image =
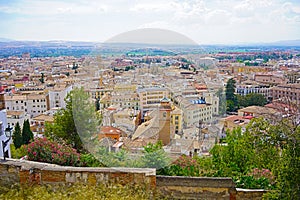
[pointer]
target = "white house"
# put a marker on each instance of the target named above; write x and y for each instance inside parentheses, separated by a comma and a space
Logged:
(57, 96)
(3, 126)
(33, 104)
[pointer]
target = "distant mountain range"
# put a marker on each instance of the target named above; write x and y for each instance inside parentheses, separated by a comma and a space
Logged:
(286, 43)
(5, 40)
(84, 43)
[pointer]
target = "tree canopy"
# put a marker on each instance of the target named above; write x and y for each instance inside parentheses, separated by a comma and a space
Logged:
(251, 99)
(231, 99)
(17, 136)
(27, 134)
(75, 124)
(264, 145)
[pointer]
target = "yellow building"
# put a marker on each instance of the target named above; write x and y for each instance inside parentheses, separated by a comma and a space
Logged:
(98, 93)
(125, 88)
(150, 98)
(176, 119)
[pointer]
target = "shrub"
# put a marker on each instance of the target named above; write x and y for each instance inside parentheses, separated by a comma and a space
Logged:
(43, 150)
(183, 166)
(256, 179)
(154, 156)
(18, 153)
(88, 160)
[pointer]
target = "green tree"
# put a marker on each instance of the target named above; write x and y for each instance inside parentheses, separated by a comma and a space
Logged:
(287, 135)
(234, 158)
(154, 156)
(97, 104)
(77, 123)
(42, 79)
(114, 159)
(231, 99)
(252, 99)
(85, 118)
(261, 134)
(222, 101)
(74, 66)
(230, 106)
(27, 134)
(230, 89)
(264, 145)
(17, 136)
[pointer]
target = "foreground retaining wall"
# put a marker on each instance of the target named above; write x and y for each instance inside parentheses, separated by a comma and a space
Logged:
(196, 187)
(249, 194)
(28, 172)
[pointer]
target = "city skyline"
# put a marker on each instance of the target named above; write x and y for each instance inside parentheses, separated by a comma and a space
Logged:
(205, 22)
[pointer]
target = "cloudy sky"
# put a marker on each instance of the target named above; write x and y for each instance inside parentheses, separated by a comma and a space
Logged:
(204, 21)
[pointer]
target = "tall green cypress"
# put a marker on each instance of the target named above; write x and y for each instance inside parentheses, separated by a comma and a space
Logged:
(27, 134)
(17, 137)
(231, 99)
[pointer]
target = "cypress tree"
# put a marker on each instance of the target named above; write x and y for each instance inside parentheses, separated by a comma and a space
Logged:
(231, 98)
(17, 137)
(27, 134)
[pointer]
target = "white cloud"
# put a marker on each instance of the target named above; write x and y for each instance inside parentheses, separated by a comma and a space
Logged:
(218, 18)
(47, 7)
(203, 20)
(154, 7)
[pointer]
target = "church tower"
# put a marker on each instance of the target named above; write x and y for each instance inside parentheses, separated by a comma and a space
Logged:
(165, 121)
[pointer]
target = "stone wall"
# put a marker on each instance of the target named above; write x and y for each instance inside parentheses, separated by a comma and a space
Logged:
(29, 172)
(174, 187)
(249, 194)
(179, 187)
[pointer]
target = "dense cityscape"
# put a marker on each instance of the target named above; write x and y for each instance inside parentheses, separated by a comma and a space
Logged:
(189, 99)
(185, 102)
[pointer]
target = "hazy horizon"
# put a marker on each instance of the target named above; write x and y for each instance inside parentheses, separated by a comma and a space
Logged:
(203, 21)
(106, 42)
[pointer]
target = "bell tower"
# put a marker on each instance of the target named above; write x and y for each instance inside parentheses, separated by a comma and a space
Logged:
(165, 121)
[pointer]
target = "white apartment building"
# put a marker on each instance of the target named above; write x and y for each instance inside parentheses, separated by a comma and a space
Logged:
(259, 89)
(212, 99)
(195, 111)
(57, 96)
(14, 117)
(150, 98)
(33, 104)
(124, 100)
(3, 126)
